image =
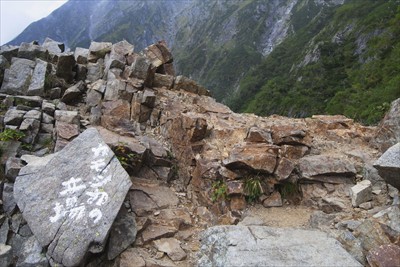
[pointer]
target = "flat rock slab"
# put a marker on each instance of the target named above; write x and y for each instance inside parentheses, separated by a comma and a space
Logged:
(71, 202)
(388, 166)
(267, 246)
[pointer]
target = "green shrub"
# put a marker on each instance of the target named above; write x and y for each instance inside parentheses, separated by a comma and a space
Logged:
(219, 191)
(253, 188)
(11, 135)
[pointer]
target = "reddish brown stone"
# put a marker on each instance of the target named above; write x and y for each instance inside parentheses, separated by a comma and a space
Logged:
(387, 255)
(284, 169)
(238, 202)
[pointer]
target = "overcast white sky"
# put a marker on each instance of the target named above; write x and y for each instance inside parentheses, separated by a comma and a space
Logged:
(16, 15)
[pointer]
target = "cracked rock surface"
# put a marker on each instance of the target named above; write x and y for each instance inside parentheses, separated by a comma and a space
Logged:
(71, 210)
(268, 246)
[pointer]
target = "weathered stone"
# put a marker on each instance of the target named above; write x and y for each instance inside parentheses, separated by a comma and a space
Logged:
(388, 133)
(53, 47)
(172, 247)
(54, 93)
(98, 50)
(141, 69)
(9, 51)
(257, 135)
(31, 254)
(116, 59)
(94, 71)
(81, 72)
(13, 165)
(30, 101)
(67, 116)
(115, 87)
(162, 80)
(6, 255)
(238, 202)
(32, 51)
(47, 128)
(361, 192)
(81, 55)
(122, 234)
(186, 84)
(33, 114)
(154, 232)
(4, 64)
(146, 196)
(67, 131)
(9, 204)
(131, 258)
(47, 118)
(291, 134)
(284, 169)
(178, 217)
(384, 256)
(73, 94)
(17, 77)
(327, 169)
(36, 87)
(274, 200)
(388, 166)
(30, 127)
(260, 245)
(95, 115)
(93, 98)
(75, 211)
(14, 117)
(5, 227)
(235, 187)
(149, 98)
(66, 63)
(168, 68)
(366, 205)
(253, 156)
(9, 149)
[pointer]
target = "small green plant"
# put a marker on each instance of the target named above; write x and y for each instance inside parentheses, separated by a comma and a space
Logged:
(290, 191)
(11, 135)
(125, 157)
(27, 147)
(253, 188)
(219, 191)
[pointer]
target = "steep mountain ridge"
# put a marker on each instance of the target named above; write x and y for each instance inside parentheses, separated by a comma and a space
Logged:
(289, 57)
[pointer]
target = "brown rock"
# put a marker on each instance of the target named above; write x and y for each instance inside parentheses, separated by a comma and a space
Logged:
(118, 108)
(66, 131)
(179, 218)
(235, 187)
(325, 168)
(186, 84)
(293, 152)
(154, 232)
(257, 135)
(172, 247)
(131, 258)
(253, 156)
(291, 134)
(238, 202)
(387, 255)
(284, 169)
(274, 200)
(163, 80)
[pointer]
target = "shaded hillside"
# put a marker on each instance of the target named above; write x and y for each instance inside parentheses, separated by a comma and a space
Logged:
(343, 61)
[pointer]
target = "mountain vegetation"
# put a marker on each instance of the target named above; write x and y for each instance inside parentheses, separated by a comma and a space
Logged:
(287, 57)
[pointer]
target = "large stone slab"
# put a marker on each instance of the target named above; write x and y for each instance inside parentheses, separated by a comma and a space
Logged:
(388, 166)
(327, 168)
(267, 246)
(17, 77)
(71, 202)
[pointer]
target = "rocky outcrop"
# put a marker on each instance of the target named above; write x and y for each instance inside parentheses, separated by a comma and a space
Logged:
(266, 246)
(192, 162)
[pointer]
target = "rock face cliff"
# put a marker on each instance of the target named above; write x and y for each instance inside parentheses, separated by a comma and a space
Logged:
(192, 164)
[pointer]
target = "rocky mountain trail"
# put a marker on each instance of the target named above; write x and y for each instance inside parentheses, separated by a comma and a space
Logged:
(110, 159)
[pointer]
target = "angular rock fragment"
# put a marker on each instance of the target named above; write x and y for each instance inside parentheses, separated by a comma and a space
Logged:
(85, 186)
(361, 192)
(388, 166)
(17, 77)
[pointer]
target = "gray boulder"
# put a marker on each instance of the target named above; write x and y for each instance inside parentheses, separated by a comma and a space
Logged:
(74, 93)
(54, 47)
(32, 51)
(9, 51)
(66, 62)
(388, 133)
(388, 166)
(71, 202)
(38, 78)
(98, 50)
(81, 55)
(17, 77)
(267, 246)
